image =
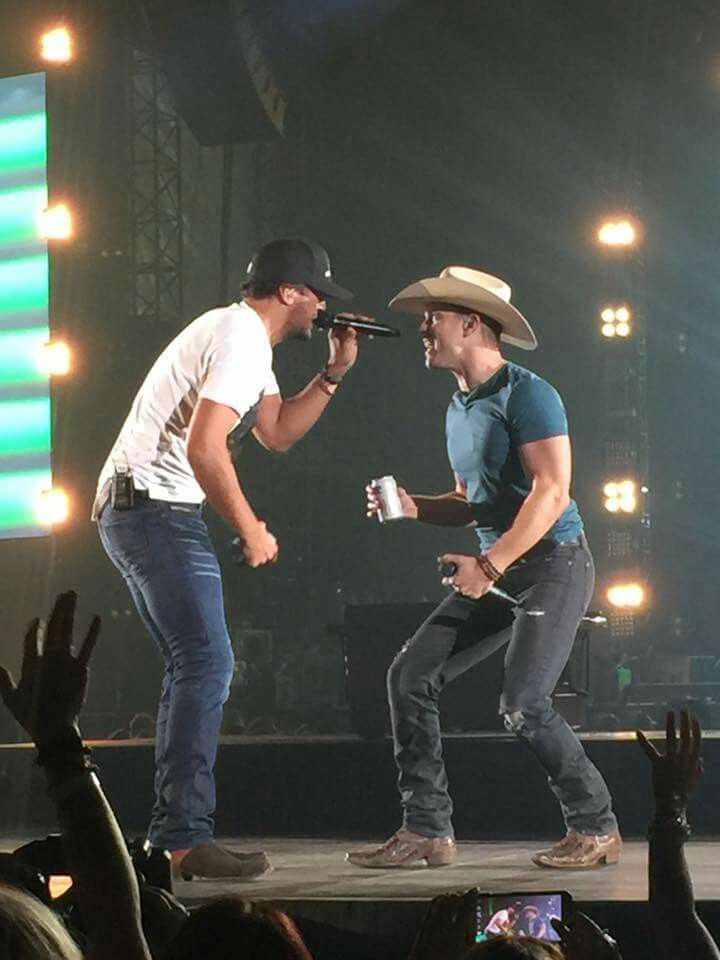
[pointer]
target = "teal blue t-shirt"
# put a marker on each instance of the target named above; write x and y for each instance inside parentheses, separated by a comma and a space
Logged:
(484, 429)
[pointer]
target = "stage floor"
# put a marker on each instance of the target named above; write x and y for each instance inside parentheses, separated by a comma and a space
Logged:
(316, 870)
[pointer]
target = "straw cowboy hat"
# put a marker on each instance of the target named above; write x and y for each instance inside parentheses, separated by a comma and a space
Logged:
(474, 290)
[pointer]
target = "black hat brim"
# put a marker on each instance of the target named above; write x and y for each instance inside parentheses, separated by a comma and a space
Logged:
(331, 289)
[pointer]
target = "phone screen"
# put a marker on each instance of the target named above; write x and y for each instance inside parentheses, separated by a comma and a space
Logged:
(520, 914)
(58, 885)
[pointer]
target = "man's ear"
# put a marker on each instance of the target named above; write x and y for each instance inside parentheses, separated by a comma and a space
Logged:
(287, 294)
(470, 321)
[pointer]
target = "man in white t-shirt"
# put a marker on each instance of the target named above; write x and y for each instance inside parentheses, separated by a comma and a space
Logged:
(170, 456)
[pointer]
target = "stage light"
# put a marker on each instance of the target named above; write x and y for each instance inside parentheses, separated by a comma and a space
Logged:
(52, 507)
(626, 596)
(620, 496)
(54, 359)
(56, 46)
(616, 321)
(617, 233)
(55, 223)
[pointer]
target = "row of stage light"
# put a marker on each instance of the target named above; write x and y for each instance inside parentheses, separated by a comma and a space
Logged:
(621, 495)
(55, 224)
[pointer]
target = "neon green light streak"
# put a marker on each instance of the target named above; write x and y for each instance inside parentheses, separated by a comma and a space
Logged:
(25, 426)
(23, 142)
(20, 351)
(19, 493)
(19, 212)
(23, 284)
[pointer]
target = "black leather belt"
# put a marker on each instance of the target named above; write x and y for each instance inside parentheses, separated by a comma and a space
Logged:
(543, 548)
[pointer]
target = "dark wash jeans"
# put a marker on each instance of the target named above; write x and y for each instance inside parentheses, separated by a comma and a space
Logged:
(556, 578)
(164, 552)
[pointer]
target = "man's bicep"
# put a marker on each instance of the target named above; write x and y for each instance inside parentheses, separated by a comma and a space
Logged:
(549, 460)
(267, 419)
(210, 424)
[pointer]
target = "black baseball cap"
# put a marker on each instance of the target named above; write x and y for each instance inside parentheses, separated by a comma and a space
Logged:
(296, 260)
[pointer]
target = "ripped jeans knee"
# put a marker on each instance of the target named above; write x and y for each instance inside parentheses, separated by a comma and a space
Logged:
(515, 722)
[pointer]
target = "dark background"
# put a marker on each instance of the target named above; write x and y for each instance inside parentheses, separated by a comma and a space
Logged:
(420, 134)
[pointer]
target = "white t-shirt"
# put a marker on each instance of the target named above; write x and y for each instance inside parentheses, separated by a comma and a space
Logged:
(224, 355)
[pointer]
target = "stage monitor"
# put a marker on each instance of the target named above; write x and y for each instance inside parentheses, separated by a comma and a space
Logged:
(25, 410)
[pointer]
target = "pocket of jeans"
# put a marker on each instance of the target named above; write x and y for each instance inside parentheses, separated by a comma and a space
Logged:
(560, 588)
(125, 536)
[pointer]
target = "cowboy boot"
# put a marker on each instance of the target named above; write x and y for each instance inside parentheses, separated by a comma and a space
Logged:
(581, 851)
(406, 850)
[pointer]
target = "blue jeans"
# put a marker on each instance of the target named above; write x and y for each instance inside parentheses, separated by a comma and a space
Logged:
(461, 632)
(164, 552)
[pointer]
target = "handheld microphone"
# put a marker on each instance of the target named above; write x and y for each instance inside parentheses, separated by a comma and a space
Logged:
(449, 569)
(325, 320)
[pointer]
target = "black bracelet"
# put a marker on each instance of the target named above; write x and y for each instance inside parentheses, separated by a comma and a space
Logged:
(488, 567)
(70, 752)
(672, 824)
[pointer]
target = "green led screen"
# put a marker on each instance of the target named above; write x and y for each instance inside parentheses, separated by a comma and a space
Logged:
(25, 414)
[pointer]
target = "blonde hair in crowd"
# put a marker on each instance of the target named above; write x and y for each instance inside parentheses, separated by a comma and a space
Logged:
(31, 931)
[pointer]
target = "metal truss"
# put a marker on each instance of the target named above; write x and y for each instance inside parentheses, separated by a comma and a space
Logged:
(156, 221)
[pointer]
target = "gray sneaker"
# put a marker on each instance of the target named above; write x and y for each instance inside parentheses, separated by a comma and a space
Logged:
(210, 861)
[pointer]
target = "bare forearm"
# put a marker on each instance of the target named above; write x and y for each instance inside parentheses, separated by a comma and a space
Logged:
(103, 876)
(300, 413)
(679, 933)
(543, 506)
(444, 510)
(215, 473)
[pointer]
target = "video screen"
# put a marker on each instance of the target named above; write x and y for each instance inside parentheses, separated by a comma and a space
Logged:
(518, 915)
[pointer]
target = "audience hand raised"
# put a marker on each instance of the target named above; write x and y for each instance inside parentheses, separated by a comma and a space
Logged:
(676, 773)
(582, 939)
(448, 929)
(49, 696)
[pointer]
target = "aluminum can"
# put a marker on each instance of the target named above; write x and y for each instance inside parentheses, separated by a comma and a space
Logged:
(390, 504)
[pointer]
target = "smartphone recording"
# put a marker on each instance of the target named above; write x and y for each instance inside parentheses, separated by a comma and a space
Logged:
(521, 914)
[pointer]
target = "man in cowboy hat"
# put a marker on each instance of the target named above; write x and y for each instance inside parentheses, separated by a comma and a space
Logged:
(507, 441)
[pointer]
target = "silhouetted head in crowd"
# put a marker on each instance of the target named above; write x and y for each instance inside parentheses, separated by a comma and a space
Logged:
(514, 948)
(233, 929)
(31, 931)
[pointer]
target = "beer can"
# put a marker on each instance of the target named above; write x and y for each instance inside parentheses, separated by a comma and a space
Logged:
(390, 504)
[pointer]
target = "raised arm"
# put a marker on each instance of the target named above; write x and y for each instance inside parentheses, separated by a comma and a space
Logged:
(283, 421)
(679, 933)
(47, 702)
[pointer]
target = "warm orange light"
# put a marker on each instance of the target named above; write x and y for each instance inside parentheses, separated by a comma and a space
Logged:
(56, 222)
(616, 321)
(620, 496)
(617, 233)
(55, 359)
(52, 507)
(626, 596)
(56, 46)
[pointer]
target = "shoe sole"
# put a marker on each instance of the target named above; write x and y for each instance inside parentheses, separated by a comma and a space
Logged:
(603, 861)
(195, 878)
(414, 865)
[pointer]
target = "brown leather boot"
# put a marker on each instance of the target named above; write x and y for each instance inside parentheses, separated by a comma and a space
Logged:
(406, 850)
(581, 851)
(210, 861)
